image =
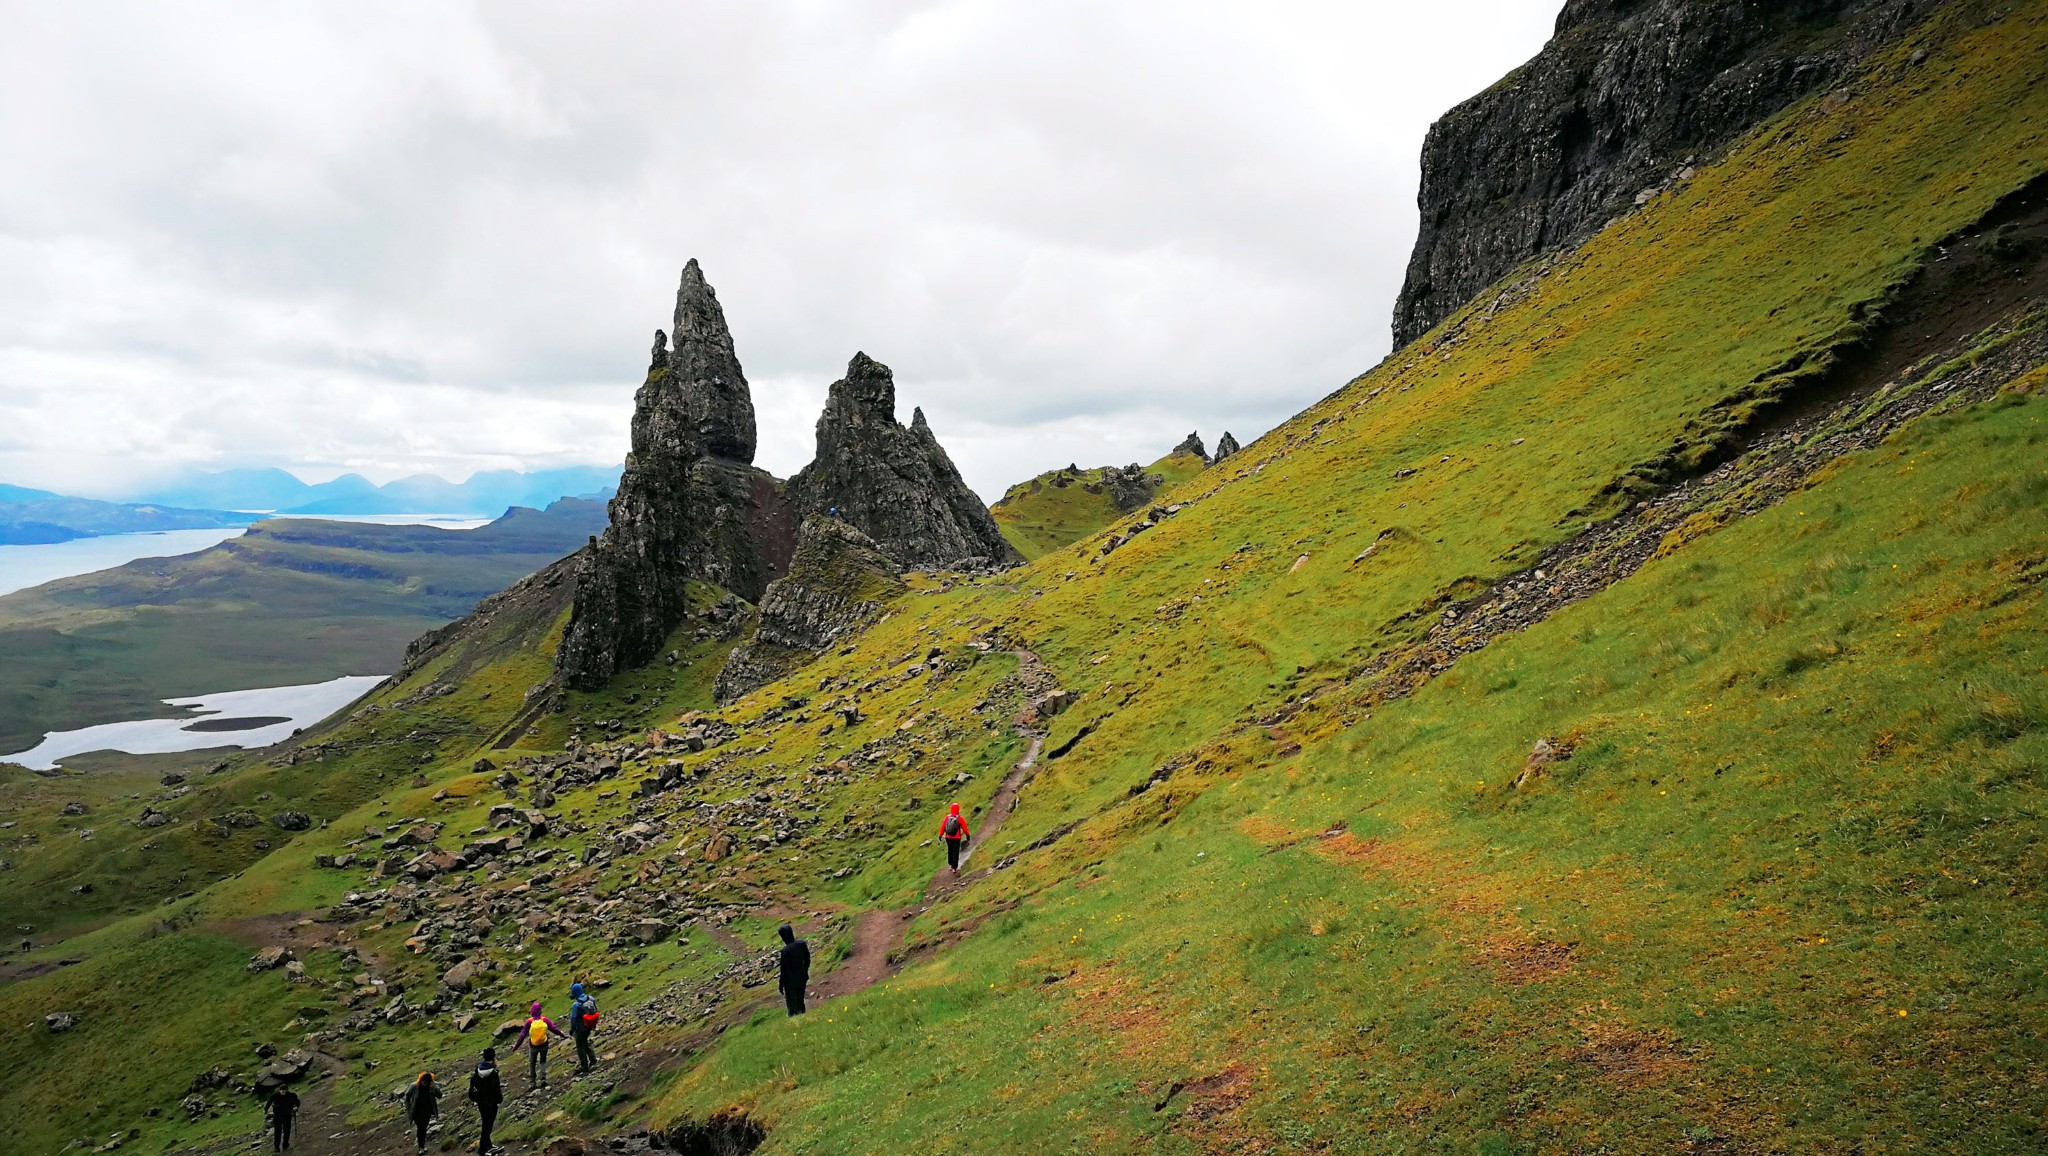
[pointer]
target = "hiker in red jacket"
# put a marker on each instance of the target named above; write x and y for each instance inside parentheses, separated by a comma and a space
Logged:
(954, 831)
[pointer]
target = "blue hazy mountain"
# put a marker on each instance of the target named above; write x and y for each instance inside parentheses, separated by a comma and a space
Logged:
(488, 493)
(38, 517)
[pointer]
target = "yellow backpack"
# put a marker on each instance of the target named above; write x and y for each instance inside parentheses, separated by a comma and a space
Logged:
(536, 1032)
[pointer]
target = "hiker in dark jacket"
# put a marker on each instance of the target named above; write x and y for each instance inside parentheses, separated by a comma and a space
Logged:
(486, 1091)
(954, 831)
(796, 969)
(582, 1020)
(283, 1109)
(422, 1104)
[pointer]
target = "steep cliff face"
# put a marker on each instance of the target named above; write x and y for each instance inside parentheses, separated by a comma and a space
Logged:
(894, 484)
(1627, 93)
(839, 582)
(689, 505)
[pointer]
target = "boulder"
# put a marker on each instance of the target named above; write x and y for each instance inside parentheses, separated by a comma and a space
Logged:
(417, 835)
(59, 1022)
(292, 821)
(460, 977)
(270, 958)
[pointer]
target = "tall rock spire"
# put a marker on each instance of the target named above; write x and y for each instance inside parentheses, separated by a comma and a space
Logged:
(895, 485)
(689, 505)
(715, 390)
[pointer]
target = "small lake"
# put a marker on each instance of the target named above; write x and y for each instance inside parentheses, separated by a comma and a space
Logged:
(235, 718)
(24, 566)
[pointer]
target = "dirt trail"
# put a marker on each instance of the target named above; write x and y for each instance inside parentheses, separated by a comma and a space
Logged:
(323, 1129)
(876, 934)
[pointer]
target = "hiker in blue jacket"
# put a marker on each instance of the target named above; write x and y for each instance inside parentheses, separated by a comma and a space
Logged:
(582, 1019)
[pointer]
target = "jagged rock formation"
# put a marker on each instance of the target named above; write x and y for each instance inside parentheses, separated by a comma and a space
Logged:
(894, 484)
(692, 506)
(1225, 446)
(838, 583)
(1128, 488)
(1192, 444)
(689, 506)
(1625, 94)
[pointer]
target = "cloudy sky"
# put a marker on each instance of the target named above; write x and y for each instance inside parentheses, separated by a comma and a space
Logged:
(402, 237)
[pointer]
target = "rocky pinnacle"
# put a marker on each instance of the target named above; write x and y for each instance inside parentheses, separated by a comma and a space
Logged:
(895, 485)
(715, 390)
(688, 503)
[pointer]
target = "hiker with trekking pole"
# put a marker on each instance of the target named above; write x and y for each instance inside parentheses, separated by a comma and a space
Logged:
(283, 1110)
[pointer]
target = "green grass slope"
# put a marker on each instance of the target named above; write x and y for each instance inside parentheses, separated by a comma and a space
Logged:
(292, 601)
(1060, 507)
(1272, 884)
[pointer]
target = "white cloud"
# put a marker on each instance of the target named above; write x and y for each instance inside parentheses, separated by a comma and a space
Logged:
(395, 237)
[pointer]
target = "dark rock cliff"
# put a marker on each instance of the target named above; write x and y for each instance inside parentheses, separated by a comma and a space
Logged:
(1626, 93)
(839, 582)
(895, 485)
(690, 504)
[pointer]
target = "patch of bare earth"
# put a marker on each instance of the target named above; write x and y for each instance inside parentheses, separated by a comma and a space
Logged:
(1630, 1057)
(1516, 960)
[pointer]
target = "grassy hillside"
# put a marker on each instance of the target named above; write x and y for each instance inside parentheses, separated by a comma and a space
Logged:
(1060, 507)
(1735, 514)
(291, 601)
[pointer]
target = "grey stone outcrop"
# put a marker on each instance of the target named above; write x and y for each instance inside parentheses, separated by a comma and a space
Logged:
(894, 484)
(1624, 95)
(839, 582)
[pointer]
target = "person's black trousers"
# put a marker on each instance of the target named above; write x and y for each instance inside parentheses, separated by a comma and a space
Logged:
(536, 1063)
(419, 1131)
(489, 1112)
(953, 854)
(586, 1056)
(795, 1000)
(281, 1133)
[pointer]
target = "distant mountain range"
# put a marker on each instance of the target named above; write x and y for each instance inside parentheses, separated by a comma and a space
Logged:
(486, 494)
(38, 517)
